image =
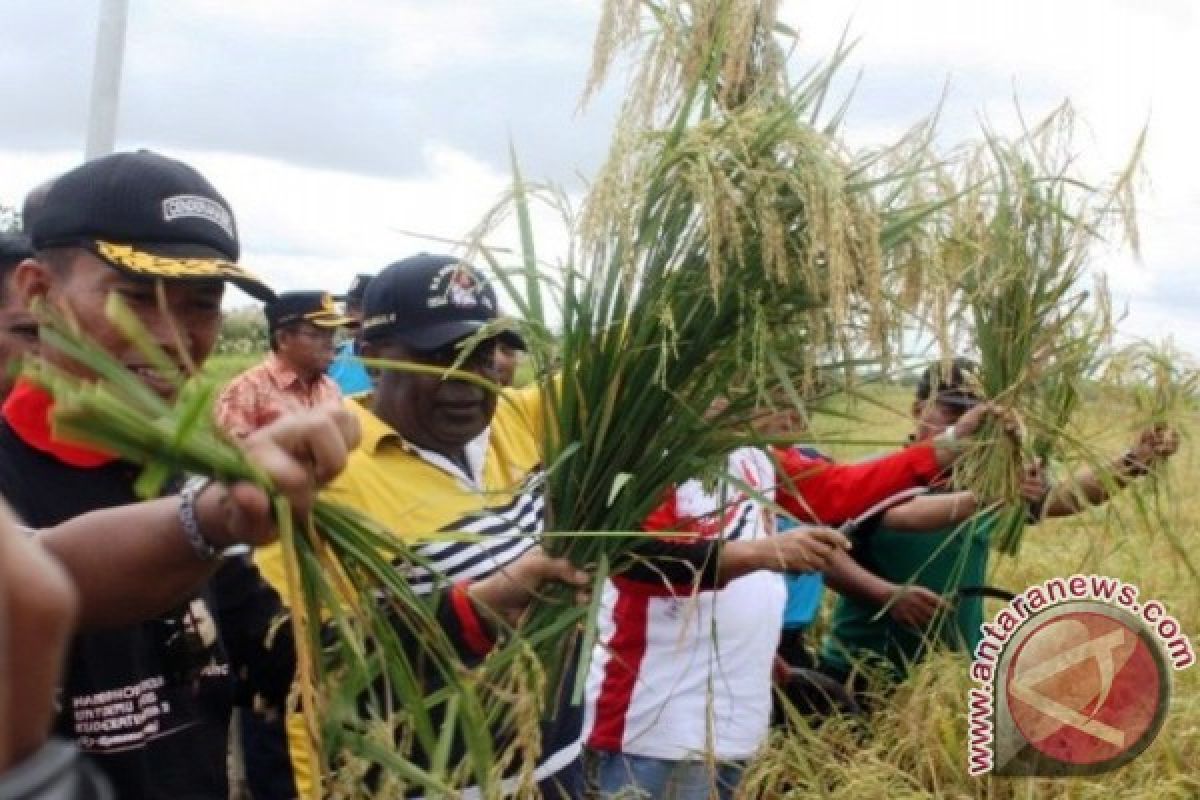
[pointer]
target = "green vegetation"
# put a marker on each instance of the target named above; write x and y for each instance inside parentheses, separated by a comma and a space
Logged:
(915, 746)
(223, 367)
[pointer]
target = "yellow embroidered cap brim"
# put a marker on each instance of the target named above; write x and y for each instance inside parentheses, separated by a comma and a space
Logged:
(323, 320)
(328, 316)
(143, 263)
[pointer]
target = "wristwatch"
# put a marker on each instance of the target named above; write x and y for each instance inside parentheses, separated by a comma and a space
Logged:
(190, 522)
(1132, 466)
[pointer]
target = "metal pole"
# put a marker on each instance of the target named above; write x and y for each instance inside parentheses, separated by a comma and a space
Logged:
(106, 78)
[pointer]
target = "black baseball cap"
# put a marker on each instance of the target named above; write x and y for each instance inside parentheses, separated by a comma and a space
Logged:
(315, 307)
(14, 248)
(957, 383)
(358, 288)
(146, 215)
(428, 302)
(32, 205)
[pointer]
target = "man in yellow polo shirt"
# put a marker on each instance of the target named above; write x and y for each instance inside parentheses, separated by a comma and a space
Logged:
(449, 455)
(442, 455)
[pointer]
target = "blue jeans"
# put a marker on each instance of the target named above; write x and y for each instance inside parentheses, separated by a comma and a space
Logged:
(620, 776)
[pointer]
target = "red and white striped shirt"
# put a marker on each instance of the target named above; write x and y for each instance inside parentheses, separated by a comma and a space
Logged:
(676, 675)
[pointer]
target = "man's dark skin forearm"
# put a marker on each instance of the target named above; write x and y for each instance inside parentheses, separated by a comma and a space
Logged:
(847, 577)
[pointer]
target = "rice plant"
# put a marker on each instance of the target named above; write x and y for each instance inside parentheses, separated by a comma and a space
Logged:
(1014, 274)
(914, 743)
(724, 248)
(728, 251)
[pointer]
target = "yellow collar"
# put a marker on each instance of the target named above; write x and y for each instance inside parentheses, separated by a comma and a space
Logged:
(374, 430)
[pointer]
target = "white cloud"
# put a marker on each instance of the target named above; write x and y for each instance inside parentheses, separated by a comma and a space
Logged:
(330, 124)
(310, 228)
(1121, 63)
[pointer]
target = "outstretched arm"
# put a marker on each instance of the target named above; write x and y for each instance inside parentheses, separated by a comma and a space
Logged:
(1090, 487)
(909, 605)
(831, 494)
(134, 562)
(931, 512)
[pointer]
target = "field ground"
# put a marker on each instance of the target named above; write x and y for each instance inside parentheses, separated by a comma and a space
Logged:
(917, 744)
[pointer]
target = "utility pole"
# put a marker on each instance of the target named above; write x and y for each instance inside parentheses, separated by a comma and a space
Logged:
(106, 78)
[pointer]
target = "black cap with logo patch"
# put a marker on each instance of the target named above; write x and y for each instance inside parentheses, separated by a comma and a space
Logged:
(146, 215)
(428, 302)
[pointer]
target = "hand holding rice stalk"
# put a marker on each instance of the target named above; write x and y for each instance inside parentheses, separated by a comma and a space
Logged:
(1016, 259)
(366, 644)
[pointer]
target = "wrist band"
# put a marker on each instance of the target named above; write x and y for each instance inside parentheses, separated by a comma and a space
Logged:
(191, 523)
(948, 440)
(1132, 467)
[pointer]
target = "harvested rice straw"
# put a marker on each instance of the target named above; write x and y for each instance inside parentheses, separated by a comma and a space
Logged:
(1016, 259)
(723, 245)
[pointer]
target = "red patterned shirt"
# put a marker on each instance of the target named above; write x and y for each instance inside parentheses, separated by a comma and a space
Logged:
(264, 393)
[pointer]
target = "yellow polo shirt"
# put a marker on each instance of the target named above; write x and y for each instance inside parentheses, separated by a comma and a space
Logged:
(416, 493)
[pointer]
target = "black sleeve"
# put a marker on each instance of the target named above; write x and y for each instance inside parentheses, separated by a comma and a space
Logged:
(470, 633)
(255, 631)
(861, 539)
(669, 561)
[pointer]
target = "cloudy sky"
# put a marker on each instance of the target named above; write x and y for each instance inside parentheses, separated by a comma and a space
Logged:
(333, 125)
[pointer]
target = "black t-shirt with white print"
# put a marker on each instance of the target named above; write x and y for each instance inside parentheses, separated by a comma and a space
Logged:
(150, 703)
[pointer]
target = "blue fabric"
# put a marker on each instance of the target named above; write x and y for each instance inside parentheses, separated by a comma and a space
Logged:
(621, 775)
(348, 372)
(804, 591)
(566, 784)
(803, 599)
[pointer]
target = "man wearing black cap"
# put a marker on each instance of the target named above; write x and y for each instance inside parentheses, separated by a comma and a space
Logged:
(301, 327)
(442, 454)
(346, 370)
(148, 702)
(917, 577)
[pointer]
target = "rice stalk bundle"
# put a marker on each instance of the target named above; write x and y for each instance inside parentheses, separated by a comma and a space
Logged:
(722, 241)
(909, 182)
(367, 645)
(1015, 266)
(1163, 382)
